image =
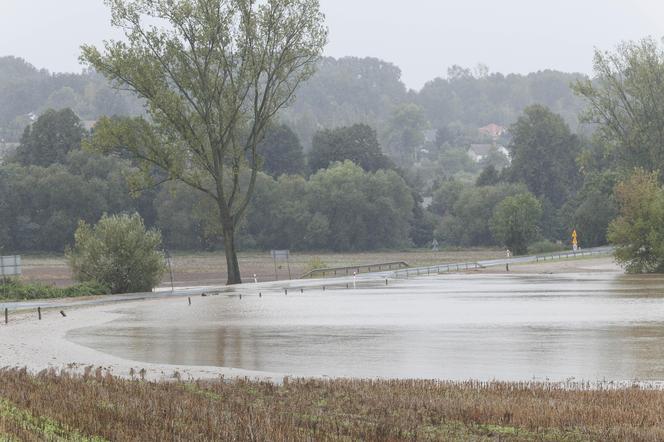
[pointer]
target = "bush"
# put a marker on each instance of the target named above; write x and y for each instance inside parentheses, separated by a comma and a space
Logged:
(638, 233)
(119, 253)
(315, 264)
(545, 246)
(515, 221)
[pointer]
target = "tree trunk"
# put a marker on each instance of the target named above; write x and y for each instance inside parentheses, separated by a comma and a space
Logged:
(231, 257)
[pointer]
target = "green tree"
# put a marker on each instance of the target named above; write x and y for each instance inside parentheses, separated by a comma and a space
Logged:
(544, 153)
(488, 177)
(405, 133)
(279, 216)
(446, 196)
(186, 218)
(49, 139)
(281, 151)
(47, 202)
(467, 221)
(514, 222)
(357, 143)
(363, 210)
(638, 232)
(594, 208)
(626, 100)
(213, 75)
(118, 252)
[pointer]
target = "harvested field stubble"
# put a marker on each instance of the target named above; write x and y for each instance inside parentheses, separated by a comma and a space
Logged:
(97, 406)
(210, 267)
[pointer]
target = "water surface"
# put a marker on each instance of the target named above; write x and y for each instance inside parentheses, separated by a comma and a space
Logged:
(511, 327)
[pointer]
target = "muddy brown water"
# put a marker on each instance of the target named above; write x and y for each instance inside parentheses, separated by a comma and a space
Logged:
(600, 326)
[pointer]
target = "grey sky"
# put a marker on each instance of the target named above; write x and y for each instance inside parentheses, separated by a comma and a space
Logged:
(423, 37)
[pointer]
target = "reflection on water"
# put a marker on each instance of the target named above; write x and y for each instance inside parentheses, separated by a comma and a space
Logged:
(595, 326)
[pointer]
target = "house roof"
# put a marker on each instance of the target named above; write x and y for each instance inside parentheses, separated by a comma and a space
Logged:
(88, 124)
(493, 130)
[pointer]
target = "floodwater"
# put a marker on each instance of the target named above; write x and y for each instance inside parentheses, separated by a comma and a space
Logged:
(600, 326)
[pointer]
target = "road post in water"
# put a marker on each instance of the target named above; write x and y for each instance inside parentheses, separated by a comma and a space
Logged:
(170, 269)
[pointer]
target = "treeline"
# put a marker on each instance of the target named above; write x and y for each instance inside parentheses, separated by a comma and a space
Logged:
(26, 92)
(358, 163)
(343, 92)
(344, 195)
(51, 183)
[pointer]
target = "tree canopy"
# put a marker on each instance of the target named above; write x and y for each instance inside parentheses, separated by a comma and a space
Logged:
(544, 153)
(515, 221)
(281, 151)
(625, 100)
(638, 232)
(49, 139)
(357, 143)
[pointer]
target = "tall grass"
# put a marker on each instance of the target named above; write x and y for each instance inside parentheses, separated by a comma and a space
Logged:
(15, 290)
(98, 406)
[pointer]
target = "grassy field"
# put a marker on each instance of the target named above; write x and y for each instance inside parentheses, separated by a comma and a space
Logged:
(98, 407)
(210, 268)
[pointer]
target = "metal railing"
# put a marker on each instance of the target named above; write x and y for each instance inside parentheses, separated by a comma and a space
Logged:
(572, 254)
(437, 269)
(457, 267)
(349, 270)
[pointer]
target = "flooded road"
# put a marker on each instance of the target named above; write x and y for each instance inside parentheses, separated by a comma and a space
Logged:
(509, 327)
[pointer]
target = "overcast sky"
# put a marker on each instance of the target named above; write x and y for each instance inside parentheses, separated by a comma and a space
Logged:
(422, 37)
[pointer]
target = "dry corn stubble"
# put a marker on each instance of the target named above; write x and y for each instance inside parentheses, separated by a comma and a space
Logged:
(100, 406)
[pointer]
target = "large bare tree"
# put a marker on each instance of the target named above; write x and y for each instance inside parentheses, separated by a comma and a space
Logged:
(213, 74)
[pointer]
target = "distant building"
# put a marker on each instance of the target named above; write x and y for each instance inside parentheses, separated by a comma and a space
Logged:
(493, 130)
(88, 124)
(478, 152)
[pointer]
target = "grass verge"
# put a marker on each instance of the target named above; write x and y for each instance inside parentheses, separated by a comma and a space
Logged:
(15, 290)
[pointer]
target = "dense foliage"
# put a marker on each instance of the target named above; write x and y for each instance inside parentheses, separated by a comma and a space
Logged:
(357, 143)
(515, 221)
(118, 252)
(625, 101)
(638, 232)
(544, 152)
(357, 162)
(16, 290)
(281, 151)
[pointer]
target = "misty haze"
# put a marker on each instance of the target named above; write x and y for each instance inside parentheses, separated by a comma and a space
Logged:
(286, 220)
